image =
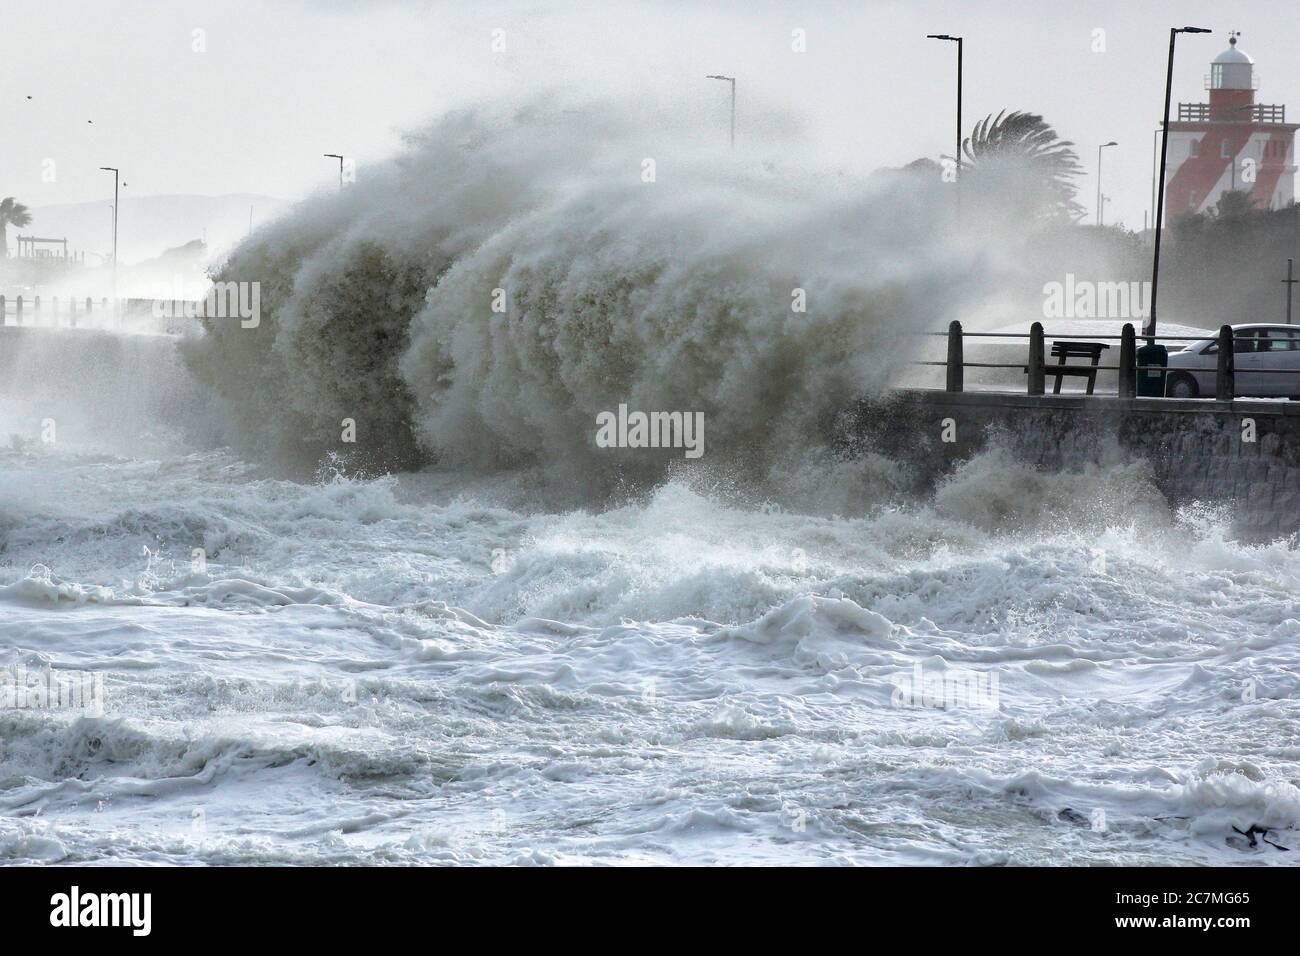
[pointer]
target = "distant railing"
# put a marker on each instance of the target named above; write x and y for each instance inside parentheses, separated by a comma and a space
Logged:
(52, 311)
(1255, 113)
(87, 313)
(1225, 383)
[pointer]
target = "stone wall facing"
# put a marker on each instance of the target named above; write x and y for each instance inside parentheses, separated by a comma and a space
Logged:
(1199, 450)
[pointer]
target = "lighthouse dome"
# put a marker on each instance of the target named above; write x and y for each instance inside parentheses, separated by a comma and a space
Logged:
(1233, 55)
(1232, 69)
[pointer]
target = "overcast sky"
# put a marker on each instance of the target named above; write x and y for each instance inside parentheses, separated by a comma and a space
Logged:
(283, 81)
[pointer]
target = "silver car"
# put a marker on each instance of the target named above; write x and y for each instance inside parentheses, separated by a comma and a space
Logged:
(1264, 347)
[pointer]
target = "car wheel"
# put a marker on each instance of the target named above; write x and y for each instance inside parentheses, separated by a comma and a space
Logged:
(1183, 386)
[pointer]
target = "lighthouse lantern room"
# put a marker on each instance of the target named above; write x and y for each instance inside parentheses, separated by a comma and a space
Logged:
(1229, 143)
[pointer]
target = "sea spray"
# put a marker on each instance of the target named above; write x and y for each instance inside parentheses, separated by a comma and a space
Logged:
(479, 299)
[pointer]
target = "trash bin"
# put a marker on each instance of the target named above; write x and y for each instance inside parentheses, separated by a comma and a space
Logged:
(1151, 381)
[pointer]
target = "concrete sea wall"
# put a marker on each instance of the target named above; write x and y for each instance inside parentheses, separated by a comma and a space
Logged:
(1245, 453)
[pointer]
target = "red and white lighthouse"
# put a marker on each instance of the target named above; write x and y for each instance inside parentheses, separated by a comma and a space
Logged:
(1229, 143)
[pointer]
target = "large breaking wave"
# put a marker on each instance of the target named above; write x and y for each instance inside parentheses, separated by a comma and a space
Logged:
(671, 294)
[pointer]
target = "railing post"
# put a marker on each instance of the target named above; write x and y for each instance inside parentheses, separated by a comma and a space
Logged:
(1036, 378)
(18, 312)
(955, 367)
(4, 312)
(36, 316)
(1127, 362)
(1225, 378)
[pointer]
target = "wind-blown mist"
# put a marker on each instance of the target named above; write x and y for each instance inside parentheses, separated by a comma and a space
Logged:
(672, 294)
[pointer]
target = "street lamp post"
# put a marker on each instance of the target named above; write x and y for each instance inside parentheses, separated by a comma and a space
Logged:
(117, 178)
(958, 41)
(1155, 159)
(732, 81)
(340, 159)
(1164, 157)
(1099, 149)
(1289, 282)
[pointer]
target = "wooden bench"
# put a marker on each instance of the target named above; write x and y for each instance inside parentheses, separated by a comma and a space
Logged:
(1064, 350)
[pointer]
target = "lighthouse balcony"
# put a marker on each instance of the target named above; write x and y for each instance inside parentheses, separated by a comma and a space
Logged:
(1254, 113)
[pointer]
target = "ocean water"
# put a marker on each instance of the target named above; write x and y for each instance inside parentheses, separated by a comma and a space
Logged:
(473, 636)
(409, 669)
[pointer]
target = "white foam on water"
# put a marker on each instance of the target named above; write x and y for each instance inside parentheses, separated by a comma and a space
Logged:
(472, 637)
(396, 670)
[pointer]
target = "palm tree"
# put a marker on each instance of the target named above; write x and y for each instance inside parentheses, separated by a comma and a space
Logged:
(1023, 152)
(12, 213)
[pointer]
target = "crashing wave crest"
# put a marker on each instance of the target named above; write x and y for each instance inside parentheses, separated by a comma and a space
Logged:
(678, 293)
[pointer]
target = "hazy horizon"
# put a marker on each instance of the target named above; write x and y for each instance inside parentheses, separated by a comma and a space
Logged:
(278, 85)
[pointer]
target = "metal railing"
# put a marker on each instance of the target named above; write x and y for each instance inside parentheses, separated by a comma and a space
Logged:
(1037, 369)
(50, 312)
(1254, 113)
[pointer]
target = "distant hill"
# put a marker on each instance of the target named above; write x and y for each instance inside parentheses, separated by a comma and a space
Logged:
(150, 225)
